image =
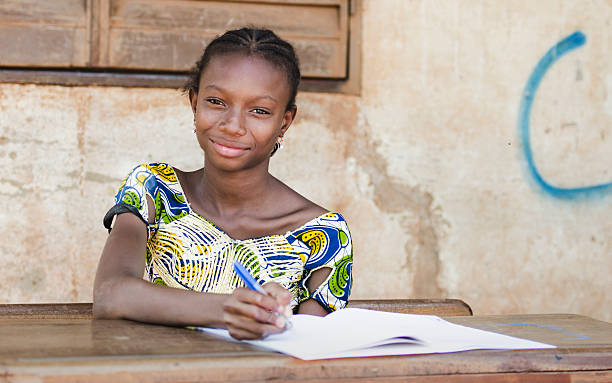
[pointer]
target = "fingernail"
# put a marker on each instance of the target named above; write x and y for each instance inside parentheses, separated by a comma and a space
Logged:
(279, 322)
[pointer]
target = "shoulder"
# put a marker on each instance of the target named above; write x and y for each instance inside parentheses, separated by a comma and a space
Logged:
(326, 238)
(309, 211)
(303, 213)
(294, 207)
(330, 222)
(147, 173)
(151, 169)
(187, 178)
(161, 171)
(148, 179)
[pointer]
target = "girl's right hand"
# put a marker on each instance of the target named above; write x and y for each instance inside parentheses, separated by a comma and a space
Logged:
(249, 315)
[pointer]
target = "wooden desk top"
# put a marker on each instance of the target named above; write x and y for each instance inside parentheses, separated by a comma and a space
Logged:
(439, 307)
(86, 350)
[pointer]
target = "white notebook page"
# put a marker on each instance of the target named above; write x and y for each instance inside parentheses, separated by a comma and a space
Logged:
(358, 333)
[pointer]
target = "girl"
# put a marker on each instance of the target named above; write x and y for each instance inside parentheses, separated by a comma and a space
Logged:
(186, 229)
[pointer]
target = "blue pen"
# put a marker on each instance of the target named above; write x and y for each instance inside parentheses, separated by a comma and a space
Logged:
(252, 284)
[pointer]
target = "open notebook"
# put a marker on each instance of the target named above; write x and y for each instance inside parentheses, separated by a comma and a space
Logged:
(358, 332)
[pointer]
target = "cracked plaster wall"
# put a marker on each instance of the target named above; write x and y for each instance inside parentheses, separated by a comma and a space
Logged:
(425, 164)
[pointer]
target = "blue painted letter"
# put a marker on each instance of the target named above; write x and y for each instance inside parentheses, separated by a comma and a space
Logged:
(573, 41)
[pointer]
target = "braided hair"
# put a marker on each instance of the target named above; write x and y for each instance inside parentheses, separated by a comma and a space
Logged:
(262, 43)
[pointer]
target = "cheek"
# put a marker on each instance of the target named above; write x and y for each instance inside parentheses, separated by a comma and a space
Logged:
(205, 121)
(202, 138)
(203, 124)
(265, 131)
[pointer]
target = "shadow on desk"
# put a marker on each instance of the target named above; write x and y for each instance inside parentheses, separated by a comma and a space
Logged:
(439, 307)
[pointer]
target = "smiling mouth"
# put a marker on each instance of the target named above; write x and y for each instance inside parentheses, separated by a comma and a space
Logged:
(228, 149)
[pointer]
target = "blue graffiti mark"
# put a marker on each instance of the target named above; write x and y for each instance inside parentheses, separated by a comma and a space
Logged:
(549, 326)
(571, 42)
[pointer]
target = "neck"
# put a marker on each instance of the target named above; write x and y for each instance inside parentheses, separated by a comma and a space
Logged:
(228, 192)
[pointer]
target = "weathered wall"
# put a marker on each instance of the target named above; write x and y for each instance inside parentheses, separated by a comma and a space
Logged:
(429, 165)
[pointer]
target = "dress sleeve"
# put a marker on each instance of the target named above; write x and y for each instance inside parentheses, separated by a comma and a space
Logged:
(329, 241)
(132, 193)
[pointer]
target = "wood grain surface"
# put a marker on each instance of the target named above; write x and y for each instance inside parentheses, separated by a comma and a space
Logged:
(81, 349)
(440, 307)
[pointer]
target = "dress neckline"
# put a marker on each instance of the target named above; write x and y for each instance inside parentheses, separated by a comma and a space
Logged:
(218, 228)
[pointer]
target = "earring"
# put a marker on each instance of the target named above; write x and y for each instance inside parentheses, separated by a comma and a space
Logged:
(277, 145)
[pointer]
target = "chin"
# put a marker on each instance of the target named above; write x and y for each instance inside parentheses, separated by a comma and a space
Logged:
(232, 164)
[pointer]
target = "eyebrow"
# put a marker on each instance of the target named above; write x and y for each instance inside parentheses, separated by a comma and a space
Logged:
(212, 86)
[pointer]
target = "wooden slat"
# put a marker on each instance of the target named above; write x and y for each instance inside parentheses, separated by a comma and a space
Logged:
(440, 307)
(47, 311)
(104, 37)
(59, 12)
(86, 78)
(207, 16)
(171, 34)
(44, 33)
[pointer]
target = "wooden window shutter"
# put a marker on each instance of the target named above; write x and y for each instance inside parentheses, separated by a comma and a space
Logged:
(154, 42)
(169, 35)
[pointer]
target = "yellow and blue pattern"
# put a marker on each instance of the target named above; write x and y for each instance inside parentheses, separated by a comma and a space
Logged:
(185, 250)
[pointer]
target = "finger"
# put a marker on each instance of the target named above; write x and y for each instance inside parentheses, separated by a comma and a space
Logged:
(241, 327)
(248, 296)
(242, 334)
(282, 296)
(253, 312)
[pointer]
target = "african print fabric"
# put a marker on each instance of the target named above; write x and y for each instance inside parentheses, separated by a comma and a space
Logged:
(185, 250)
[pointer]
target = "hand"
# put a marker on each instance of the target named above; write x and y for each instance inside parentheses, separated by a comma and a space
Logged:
(282, 296)
(248, 314)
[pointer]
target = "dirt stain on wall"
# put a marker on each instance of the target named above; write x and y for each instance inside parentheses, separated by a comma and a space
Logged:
(342, 117)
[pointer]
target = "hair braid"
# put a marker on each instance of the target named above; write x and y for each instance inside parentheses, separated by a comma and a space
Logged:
(262, 43)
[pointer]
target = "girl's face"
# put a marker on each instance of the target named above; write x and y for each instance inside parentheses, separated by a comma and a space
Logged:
(240, 111)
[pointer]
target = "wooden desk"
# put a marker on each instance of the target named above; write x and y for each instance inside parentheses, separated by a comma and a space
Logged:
(86, 350)
(440, 307)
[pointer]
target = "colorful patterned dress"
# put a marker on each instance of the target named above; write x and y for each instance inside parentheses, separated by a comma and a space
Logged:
(185, 250)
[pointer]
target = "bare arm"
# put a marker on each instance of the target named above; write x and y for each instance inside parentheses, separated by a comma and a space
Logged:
(120, 292)
(311, 306)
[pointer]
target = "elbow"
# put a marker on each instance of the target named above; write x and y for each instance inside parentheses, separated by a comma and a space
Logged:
(105, 301)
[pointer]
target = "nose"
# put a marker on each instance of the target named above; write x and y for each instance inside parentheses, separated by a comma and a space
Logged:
(233, 123)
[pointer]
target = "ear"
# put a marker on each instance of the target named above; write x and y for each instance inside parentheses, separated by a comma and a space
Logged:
(288, 119)
(193, 100)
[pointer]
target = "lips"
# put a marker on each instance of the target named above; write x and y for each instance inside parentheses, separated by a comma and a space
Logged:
(228, 148)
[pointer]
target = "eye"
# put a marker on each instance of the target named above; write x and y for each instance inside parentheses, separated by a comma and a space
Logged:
(214, 101)
(260, 111)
